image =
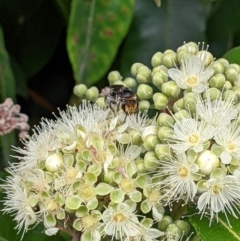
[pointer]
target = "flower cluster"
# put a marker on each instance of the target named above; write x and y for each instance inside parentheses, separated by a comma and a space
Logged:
(102, 174)
(11, 118)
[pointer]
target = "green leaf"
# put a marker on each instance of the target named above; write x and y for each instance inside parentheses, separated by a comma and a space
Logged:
(233, 55)
(7, 84)
(95, 31)
(217, 231)
(157, 29)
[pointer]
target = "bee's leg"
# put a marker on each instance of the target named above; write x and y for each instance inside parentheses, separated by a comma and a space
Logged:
(111, 107)
(125, 117)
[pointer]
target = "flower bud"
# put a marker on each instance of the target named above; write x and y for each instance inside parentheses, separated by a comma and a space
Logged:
(165, 119)
(205, 56)
(183, 226)
(181, 114)
(114, 76)
(143, 75)
(162, 70)
(212, 93)
(130, 82)
(156, 59)
(150, 130)
(164, 223)
(80, 90)
(162, 151)
(150, 142)
(140, 165)
(160, 101)
(217, 81)
(227, 85)
(182, 55)
(54, 162)
(190, 47)
(236, 89)
(143, 105)
(190, 102)
(158, 80)
(178, 105)
(136, 138)
(169, 59)
(150, 161)
(171, 89)
(174, 232)
(207, 162)
(92, 93)
(144, 92)
(164, 132)
(230, 94)
(118, 82)
(135, 67)
(224, 62)
(231, 73)
(218, 67)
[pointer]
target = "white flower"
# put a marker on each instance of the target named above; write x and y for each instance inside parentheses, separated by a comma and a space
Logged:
(17, 203)
(193, 75)
(229, 139)
(190, 134)
(121, 222)
(221, 193)
(218, 112)
(179, 182)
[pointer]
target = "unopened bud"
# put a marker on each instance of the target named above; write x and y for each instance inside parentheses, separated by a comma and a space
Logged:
(54, 162)
(217, 81)
(80, 90)
(230, 94)
(144, 92)
(174, 232)
(169, 59)
(130, 82)
(165, 119)
(190, 47)
(150, 142)
(143, 75)
(212, 94)
(183, 226)
(160, 101)
(171, 89)
(114, 76)
(135, 67)
(231, 73)
(164, 132)
(150, 161)
(162, 151)
(164, 223)
(156, 59)
(218, 67)
(205, 56)
(178, 105)
(92, 93)
(143, 105)
(180, 115)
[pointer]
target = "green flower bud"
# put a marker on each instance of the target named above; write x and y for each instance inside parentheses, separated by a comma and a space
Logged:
(54, 162)
(143, 105)
(227, 85)
(80, 90)
(92, 93)
(181, 114)
(182, 55)
(189, 47)
(156, 59)
(236, 66)
(169, 59)
(165, 119)
(158, 80)
(207, 162)
(183, 226)
(190, 102)
(174, 232)
(136, 138)
(135, 67)
(217, 81)
(150, 130)
(213, 93)
(229, 94)
(218, 67)
(114, 76)
(162, 70)
(178, 105)
(118, 82)
(164, 132)
(150, 161)
(140, 165)
(162, 151)
(206, 57)
(160, 101)
(164, 223)
(144, 92)
(231, 73)
(143, 75)
(130, 82)
(171, 89)
(224, 62)
(150, 142)
(236, 90)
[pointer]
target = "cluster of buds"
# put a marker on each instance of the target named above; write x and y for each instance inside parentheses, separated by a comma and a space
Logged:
(11, 118)
(96, 174)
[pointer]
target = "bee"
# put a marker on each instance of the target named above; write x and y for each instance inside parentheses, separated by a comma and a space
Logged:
(122, 97)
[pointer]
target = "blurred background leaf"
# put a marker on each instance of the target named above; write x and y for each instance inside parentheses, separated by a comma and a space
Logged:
(95, 31)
